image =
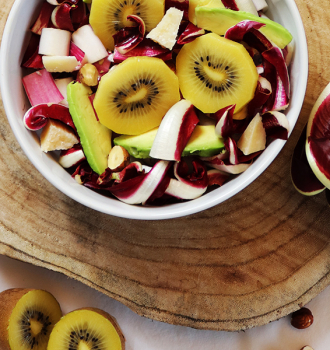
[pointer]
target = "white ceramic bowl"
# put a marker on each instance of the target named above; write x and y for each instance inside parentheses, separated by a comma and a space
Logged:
(13, 45)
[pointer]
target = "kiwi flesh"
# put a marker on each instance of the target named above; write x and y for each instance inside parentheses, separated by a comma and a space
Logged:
(215, 72)
(27, 318)
(134, 97)
(107, 17)
(87, 329)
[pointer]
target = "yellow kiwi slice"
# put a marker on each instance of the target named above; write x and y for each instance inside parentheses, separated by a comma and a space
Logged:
(215, 72)
(86, 329)
(133, 97)
(27, 319)
(107, 17)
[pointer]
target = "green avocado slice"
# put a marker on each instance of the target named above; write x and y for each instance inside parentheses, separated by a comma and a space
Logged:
(95, 138)
(203, 142)
(218, 20)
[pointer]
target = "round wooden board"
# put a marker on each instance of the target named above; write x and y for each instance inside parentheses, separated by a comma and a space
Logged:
(255, 258)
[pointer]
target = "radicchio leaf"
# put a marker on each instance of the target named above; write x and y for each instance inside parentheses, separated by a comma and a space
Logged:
(230, 4)
(217, 177)
(225, 125)
(61, 17)
(141, 188)
(43, 18)
(128, 38)
(232, 149)
(37, 116)
(238, 31)
(188, 185)
(190, 34)
(262, 93)
(275, 56)
(31, 58)
(146, 48)
(276, 125)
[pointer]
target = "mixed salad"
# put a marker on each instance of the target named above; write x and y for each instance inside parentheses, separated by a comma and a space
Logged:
(156, 101)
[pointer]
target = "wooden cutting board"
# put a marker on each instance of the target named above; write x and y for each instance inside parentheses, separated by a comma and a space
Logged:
(253, 259)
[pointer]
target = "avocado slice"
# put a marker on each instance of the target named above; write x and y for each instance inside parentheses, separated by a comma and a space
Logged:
(203, 142)
(94, 137)
(218, 20)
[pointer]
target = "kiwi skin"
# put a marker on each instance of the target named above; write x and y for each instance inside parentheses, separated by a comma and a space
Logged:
(112, 320)
(8, 300)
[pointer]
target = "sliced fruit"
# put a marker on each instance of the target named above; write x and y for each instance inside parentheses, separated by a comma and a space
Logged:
(203, 142)
(94, 137)
(57, 136)
(318, 138)
(253, 138)
(302, 176)
(218, 20)
(166, 31)
(134, 97)
(86, 329)
(215, 72)
(27, 318)
(107, 17)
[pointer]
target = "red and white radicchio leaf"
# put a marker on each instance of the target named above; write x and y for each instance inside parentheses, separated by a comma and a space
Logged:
(43, 18)
(189, 34)
(40, 87)
(71, 157)
(237, 32)
(77, 53)
(188, 186)
(225, 126)
(217, 177)
(217, 162)
(232, 149)
(262, 93)
(276, 125)
(281, 100)
(129, 37)
(31, 58)
(132, 170)
(37, 116)
(61, 17)
(146, 48)
(174, 131)
(275, 56)
(139, 189)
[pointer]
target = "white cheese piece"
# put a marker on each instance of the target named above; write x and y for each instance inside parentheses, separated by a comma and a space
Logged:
(60, 63)
(166, 31)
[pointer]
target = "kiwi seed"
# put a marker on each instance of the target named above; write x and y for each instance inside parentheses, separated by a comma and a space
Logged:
(216, 86)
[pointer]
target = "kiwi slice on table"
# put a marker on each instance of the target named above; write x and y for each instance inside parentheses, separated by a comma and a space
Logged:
(107, 17)
(215, 72)
(133, 98)
(27, 319)
(86, 329)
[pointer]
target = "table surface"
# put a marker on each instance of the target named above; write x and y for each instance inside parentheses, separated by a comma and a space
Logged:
(145, 334)
(267, 250)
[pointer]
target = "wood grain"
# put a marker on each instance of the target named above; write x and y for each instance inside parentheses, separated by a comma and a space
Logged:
(253, 259)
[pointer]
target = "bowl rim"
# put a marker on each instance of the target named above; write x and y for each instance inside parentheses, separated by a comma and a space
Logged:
(120, 209)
